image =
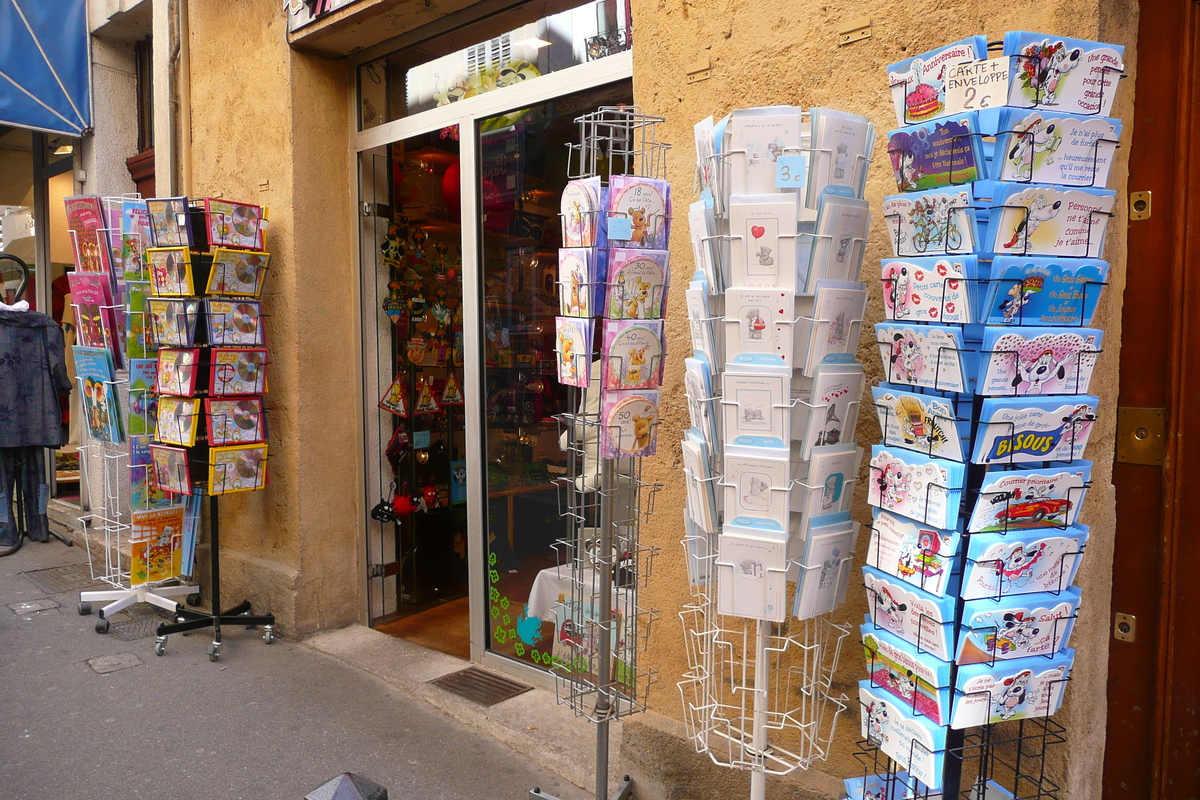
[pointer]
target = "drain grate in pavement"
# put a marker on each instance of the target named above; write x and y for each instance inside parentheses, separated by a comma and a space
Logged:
(141, 626)
(480, 686)
(60, 580)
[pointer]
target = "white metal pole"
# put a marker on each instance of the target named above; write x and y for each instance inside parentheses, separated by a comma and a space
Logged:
(758, 778)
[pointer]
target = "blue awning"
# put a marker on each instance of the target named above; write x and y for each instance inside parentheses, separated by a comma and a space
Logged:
(44, 75)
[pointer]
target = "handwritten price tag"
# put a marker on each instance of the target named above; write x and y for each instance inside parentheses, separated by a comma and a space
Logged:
(791, 172)
(620, 228)
(973, 85)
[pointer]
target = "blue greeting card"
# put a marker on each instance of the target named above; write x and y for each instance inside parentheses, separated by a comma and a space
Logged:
(934, 222)
(937, 289)
(933, 356)
(999, 565)
(925, 423)
(1025, 290)
(1022, 688)
(913, 742)
(1022, 499)
(919, 83)
(915, 616)
(919, 682)
(927, 490)
(1017, 626)
(1072, 75)
(1047, 146)
(1037, 361)
(1016, 430)
(921, 555)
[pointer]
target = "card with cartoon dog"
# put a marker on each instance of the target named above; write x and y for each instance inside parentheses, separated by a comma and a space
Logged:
(1016, 627)
(763, 241)
(1012, 500)
(927, 490)
(632, 354)
(1049, 147)
(921, 422)
(1071, 75)
(1020, 430)
(1038, 220)
(1012, 690)
(913, 615)
(630, 423)
(1038, 361)
(636, 284)
(935, 222)
(638, 212)
(931, 356)
(1024, 290)
(922, 555)
(930, 289)
(1000, 565)
(920, 683)
(913, 741)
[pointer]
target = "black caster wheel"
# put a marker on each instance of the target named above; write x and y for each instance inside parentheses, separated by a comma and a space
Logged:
(85, 609)
(102, 625)
(160, 646)
(214, 651)
(193, 600)
(268, 634)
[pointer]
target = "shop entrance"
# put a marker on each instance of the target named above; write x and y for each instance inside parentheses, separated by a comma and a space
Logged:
(459, 186)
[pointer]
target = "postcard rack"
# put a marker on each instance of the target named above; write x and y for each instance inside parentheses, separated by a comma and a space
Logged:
(611, 425)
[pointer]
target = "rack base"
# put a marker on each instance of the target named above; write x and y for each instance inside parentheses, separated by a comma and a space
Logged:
(622, 793)
(121, 599)
(188, 620)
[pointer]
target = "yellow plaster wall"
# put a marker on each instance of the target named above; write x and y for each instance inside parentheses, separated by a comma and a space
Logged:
(270, 126)
(764, 52)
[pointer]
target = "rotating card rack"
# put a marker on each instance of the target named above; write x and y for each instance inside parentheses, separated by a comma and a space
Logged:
(604, 497)
(991, 710)
(758, 694)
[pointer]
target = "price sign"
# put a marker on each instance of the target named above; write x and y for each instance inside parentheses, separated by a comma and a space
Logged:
(973, 85)
(620, 229)
(791, 172)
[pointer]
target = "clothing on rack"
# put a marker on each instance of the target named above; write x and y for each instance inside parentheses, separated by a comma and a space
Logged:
(24, 493)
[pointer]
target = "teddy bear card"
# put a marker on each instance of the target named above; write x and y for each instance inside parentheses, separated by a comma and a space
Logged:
(1071, 75)
(760, 322)
(755, 138)
(915, 616)
(838, 241)
(1019, 430)
(1037, 220)
(919, 83)
(931, 356)
(1028, 290)
(573, 350)
(1038, 361)
(914, 742)
(763, 241)
(829, 485)
(841, 151)
(1025, 499)
(702, 323)
(636, 284)
(700, 482)
(921, 683)
(835, 324)
(1000, 565)
(702, 406)
(706, 249)
(1047, 146)
(581, 205)
(752, 567)
(938, 289)
(638, 213)
(925, 423)
(580, 281)
(934, 222)
(629, 420)
(757, 482)
(921, 555)
(927, 490)
(1010, 690)
(824, 569)
(756, 402)
(1017, 626)
(632, 354)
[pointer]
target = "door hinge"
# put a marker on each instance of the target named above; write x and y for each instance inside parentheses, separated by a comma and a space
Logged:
(375, 571)
(1141, 436)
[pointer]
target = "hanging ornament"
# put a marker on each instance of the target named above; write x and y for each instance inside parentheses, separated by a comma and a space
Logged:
(402, 502)
(422, 456)
(430, 495)
(417, 348)
(394, 304)
(452, 395)
(394, 399)
(426, 402)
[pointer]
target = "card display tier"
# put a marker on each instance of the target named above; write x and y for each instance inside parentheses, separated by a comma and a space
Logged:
(1044, 220)
(1017, 626)
(930, 356)
(1019, 430)
(926, 490)
(946, 221)
(913, 615)
(914, 742)
(1020, 499)
(1021, 688)
(950, 151)
(920, 682)
(921, 555)
(1000, 565)
(918, 83)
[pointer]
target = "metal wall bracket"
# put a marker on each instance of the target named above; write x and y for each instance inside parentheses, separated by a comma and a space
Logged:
(699, 71)
(1141, 436)
(854, 31)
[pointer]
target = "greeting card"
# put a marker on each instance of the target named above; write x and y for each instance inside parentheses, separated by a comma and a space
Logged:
(238, 272)
(700, 481)
(581, 206)
(636, 284)
(918, 83)
(170, 469)
(1048, 221)
(752, 569)
(920, 683)
(911, 614)
(178, 420)
(929, 289)
(232, 224)
(1049, 147)
(629, 420)
(702, 226)
(1038, 361)
(176, 371)
(1024, 429)
(928, 490)
(573, 350)
(942, 153)
(834, 328)
(238, 468)
(580, 282)
(143, 402)
(838, 242)
(173, 322)
(1017, 626)
(935, 222)
(139, 342)
(136, 236)
(924, 423)
(155, 559)
(879, 787)
(755, 139)
(824, 568)
(832, 405)
(632, 355)
(757, 482)
(706, 164)
(921, 555)
(759, 321)
(1022, 499)
(756, 403)
(234, 322)
(763, 241)
(1025, 290)
(169, 222)
(1071, 75)
(916, 743)
(999, 565)
(638, 212)
(144, 493)
(700, 323)
(841, 150)
(236, 420)
(702, 406)
(238, 372)
(87, 226)
(1010, 690)
(829, 485)
(925, 355)
(98, 396)
(170, 271)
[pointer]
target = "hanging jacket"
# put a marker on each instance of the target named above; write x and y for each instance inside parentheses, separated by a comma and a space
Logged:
(33, 374)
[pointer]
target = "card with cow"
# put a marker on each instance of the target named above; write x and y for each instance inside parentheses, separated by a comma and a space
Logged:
(930, 356)
(912, 740)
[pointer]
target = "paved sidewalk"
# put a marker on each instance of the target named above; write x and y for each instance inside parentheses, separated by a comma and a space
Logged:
(262, 723)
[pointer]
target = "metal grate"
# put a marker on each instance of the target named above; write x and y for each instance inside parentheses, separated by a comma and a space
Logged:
(479, 686)
(138, 626)
(60, 580)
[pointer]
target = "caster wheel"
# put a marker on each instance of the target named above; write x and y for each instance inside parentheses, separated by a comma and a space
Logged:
(85, 609)
(160, 647)
(193, 600)
(214, 651)
(268, 634)
(101, 625)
